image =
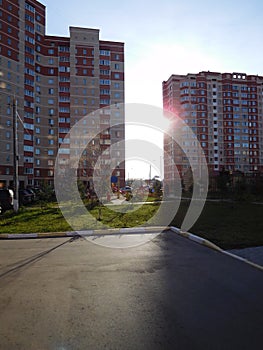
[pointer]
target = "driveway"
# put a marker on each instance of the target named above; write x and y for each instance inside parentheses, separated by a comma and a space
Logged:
(170, 293)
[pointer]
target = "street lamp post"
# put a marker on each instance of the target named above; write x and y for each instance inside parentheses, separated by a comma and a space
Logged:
(15, 156)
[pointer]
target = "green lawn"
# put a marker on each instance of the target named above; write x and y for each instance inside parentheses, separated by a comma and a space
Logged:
(33, 219)
(227, 224)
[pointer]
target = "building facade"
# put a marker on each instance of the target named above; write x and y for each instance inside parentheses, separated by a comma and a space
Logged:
(224, 110)
(55, 81)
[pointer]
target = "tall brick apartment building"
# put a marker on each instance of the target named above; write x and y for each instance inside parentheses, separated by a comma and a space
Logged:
(225, 111)
(56, 81)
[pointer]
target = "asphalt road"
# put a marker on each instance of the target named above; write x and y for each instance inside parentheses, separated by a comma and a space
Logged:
(171, 293)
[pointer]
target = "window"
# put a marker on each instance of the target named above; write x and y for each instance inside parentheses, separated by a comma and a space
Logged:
(28, 148)
(64, 120)
(64, 69)
(104, 52)
(64, 110)
(29, 93)
(29, 126)
(29, 7)
(64, 59)
(28, 159)
(64, 89)
(105, 92)
(29, 115)
(105, 72)
(63, 48)
(104, 62)
(104, 82)
(104, 101)
(28, 137)
(65, 99)
(64, 130)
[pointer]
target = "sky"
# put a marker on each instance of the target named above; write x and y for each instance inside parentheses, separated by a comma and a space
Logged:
(169, 37)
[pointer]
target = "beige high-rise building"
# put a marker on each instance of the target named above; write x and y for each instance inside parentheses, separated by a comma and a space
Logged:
(56, 81)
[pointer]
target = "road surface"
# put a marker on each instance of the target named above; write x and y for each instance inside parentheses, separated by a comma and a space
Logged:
(171, 293)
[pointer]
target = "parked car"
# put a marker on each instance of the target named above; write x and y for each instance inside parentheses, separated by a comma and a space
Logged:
(25, 197)
(37, 192)
(125, 189)
(6, 200)
(30, 190)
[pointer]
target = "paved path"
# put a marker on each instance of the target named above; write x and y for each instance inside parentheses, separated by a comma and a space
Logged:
(170, 293)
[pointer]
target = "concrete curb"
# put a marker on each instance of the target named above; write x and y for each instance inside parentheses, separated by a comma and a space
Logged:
(211, 245)
(132, 230)
(87, 233)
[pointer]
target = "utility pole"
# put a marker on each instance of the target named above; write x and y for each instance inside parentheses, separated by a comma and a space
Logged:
(15, 156)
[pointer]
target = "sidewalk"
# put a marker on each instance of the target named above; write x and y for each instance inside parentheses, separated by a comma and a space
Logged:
(254, 254)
